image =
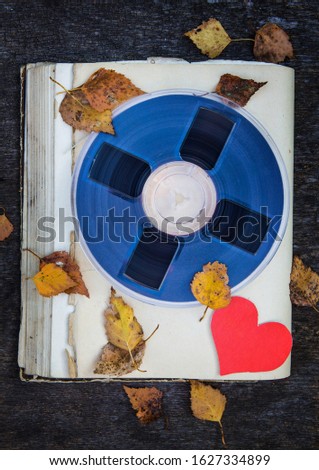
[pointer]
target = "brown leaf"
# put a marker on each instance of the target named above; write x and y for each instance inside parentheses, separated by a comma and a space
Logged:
(6, 226)
(147, 402)
(116, 361)
(237, 89)
(76, 111)
(210, 287)
(207, 403)
(107, 89)
(64, 260)
(304, 285)
(52, 280)
(272, 44)
(210, 37)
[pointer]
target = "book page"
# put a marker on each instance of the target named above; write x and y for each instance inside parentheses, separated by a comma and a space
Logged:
(183, 347)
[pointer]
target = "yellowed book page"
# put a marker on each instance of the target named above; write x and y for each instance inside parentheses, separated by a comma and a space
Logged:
(183, 347)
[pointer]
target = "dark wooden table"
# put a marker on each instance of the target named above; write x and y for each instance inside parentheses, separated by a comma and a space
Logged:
(264, 415)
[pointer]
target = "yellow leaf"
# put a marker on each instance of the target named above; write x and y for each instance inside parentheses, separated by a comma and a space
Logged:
(146, 401)
(52, 280)
(210, 37)
(68, 264)
(304, 285)
(125, 349)
(210, 287)
(6, 226)
(207, 403)
(122, 328)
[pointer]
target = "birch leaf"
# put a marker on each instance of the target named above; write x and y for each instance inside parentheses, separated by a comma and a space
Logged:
(64, 260)
(52, 280)
(6, 226)
(58, 273)
(210, 37)
(237, 89)
(304, 285)
(116, 361)
(272, 44)
(207, 403)
(147, 402)
(107, 89)
(122, 328)
(210, 286)
(126, 345)
(77, 112)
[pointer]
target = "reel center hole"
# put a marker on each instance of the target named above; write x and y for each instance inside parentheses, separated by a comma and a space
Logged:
(179, 198)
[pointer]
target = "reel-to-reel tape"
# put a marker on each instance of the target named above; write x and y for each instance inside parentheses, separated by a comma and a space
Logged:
(189, 178)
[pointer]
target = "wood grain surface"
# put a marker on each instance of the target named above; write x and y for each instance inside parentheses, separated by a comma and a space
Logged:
(264, 415)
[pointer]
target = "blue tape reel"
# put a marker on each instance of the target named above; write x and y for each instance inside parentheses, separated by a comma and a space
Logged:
(173, 139)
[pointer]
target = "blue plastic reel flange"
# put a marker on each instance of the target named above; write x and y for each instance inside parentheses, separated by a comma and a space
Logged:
(229, 145)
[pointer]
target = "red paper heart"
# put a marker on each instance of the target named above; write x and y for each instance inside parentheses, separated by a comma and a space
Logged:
(243, 345)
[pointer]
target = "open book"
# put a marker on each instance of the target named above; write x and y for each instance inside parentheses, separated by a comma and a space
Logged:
(62, 337)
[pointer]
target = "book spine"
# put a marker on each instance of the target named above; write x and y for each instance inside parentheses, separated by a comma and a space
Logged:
(38, 203)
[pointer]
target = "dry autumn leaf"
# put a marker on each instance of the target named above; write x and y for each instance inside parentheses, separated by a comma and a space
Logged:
(116, 361)
(304, 285)
(125, 350)
(64, 260)
(147, 402)
(272, 44)
(76, 111)
(210, 287)
(210, 37)
(237, 89)
(89, 106)
(107, 89)
(6, 226)
(208, 403)
(122, 328)
(52, 280)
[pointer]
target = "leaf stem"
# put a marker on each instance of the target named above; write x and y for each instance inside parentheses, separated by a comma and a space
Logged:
(222, 433)
(203, 316)
(133, 361)
(70, 90)
(32, 252)
(149, 337)
(315, 308)
(67, 91)
(243, 39)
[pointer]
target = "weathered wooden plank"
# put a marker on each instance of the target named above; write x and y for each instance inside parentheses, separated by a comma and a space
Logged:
(282, 415)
